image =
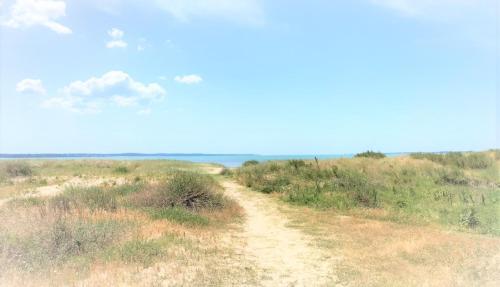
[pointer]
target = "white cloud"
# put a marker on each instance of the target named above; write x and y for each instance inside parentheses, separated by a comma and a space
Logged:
(27, 13)
(143, 44)
(114, 87)
(125, 101)
(116, 44)
(242, 11)
(31, 86)
(430, 8)
(189, 79)
(144, 112)
(116, 33)
(116, 39)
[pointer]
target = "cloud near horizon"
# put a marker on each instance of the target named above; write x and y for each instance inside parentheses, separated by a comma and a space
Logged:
(28, 13)
(114, 87)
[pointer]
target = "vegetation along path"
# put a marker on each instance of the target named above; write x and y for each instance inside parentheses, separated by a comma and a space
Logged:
(283, 255)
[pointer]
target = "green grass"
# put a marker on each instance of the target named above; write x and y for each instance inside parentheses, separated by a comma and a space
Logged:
(410, 189)
(179, 215)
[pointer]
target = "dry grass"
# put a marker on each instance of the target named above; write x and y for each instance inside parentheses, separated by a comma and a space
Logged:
(381, 253)
(147, 252)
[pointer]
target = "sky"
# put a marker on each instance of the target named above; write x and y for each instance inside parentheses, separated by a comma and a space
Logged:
(248, 76)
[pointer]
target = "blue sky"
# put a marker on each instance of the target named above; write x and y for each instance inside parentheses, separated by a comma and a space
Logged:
(248, 76)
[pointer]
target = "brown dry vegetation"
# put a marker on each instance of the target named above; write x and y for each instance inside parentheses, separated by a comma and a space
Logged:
(91, 230)
(106, 223)
(382, 253)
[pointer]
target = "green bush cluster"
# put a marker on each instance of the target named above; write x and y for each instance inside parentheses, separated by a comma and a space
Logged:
(405, 187)
(190, 190)
(14, 169)
(250, 162)
(121, 169)
(308, 184)
(370, 154)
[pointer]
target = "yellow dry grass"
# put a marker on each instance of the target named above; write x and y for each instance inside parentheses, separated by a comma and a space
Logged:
(380, 253)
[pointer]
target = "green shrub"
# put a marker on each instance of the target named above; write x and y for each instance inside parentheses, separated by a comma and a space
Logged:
(453, 176)
(296, 163)
(371, 154)
(277, 184)
(191, 190)
(121, 169)
(469, 218)
(226, 172)
(478, 161)
(357, 184)
(14, 169)
(250, 163)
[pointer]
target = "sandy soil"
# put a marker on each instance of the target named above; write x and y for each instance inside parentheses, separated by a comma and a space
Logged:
(284, 256)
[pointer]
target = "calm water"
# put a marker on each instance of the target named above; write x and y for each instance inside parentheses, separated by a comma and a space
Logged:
(226, 160)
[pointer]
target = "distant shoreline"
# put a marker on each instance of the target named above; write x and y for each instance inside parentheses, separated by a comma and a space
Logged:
(160, 155)
(97, 155)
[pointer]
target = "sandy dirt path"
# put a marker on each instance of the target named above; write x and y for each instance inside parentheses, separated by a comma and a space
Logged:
(284, 256)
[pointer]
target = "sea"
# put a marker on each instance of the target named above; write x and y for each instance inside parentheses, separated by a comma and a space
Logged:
(228, 160)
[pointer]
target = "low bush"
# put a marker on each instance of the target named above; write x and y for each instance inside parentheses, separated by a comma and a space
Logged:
(250, 163)
(469, 218)
(358, 185)
(296, 163)
(453, 176)
(184, 189)
(226, 172)
(370, 154)
(121, 169)
(191, 190)
(14, 169)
